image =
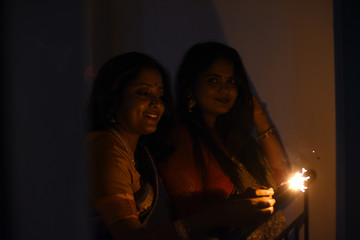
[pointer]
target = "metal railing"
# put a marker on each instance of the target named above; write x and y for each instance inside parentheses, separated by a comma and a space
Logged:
(292, 231)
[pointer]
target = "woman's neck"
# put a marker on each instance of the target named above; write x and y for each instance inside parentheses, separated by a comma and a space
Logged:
(209, 120)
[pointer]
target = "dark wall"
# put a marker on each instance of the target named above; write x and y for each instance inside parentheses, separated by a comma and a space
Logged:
(42, 122)
(347, 67)
(43, 169)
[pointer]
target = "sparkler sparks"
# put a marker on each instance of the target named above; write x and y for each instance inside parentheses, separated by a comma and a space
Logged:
(297, 182)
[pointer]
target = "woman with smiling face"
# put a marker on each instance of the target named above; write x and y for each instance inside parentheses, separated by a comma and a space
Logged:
(216, 155)
(130, 111)
(128, 102)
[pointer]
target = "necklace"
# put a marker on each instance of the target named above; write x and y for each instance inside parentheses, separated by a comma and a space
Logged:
(124, 143)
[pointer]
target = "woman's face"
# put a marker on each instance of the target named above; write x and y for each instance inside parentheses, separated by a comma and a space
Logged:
(142, 107)
(216, 90)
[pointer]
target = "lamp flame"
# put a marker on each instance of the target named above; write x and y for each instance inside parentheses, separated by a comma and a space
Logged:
(297, 182)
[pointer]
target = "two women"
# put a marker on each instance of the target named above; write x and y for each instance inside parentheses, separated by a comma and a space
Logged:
(131, 115)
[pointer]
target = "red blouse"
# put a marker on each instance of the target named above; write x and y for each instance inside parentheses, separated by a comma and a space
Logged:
(183, 180)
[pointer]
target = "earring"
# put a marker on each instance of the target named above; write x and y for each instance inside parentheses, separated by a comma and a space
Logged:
(191, 101)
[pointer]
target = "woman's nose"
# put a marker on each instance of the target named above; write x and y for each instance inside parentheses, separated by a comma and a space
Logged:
(155, 100)
(224, 88)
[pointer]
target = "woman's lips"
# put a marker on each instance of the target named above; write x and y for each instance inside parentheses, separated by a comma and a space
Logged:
(151, 115)
(222, 100)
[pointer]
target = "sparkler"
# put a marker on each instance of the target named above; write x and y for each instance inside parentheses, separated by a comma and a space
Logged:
(287, 191)
(297, 182)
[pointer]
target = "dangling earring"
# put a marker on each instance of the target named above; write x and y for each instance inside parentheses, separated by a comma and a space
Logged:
(191, 101)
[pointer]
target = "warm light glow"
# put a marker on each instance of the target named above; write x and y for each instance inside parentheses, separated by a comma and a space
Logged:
(297, 182)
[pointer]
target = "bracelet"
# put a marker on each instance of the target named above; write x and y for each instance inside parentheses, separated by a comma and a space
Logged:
(182, 230)
(266, 133)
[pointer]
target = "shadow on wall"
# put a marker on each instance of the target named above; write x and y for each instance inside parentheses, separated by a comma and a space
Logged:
(162, 29)
(172, 28)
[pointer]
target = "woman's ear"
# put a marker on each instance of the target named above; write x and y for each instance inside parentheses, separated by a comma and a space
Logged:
(190, 100)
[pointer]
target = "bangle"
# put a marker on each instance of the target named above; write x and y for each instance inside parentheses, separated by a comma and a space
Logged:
(182, 230)
(266, 133)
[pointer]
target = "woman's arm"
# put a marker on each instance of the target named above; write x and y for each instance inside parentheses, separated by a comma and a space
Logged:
(270, 143)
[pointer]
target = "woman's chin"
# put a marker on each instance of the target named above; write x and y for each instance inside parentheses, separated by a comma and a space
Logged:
(149, 130)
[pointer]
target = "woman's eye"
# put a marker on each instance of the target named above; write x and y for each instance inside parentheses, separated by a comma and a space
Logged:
(143, 93)
(232, 82)
(213, 80)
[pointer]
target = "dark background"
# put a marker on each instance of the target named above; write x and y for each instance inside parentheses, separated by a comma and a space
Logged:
(347, 82)
(43, 167)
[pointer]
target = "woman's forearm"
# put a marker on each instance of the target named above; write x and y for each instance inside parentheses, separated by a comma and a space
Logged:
(272, 147)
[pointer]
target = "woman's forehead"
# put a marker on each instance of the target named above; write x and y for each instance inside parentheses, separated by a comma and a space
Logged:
(148, 77)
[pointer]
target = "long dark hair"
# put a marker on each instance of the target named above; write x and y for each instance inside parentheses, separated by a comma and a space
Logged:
(232, 134)
(108, 87)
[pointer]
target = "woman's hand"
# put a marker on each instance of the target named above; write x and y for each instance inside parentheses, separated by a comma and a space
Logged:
(244, 212)
(239, 212)
(230, 214)
(253, 192)
(257, 203)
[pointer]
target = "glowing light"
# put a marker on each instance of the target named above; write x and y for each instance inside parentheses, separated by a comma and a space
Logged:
(297, 182)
